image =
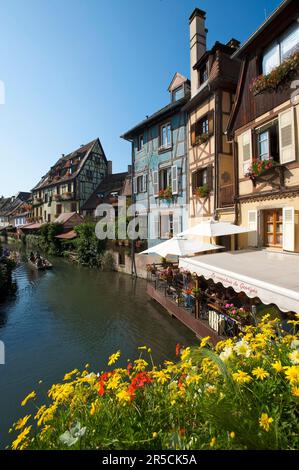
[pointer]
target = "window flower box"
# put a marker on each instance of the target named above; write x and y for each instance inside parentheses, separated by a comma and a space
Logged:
(277, 77)
(202, 191)
(202, 138)
(57, 197)
(165, 193)
(259, 167)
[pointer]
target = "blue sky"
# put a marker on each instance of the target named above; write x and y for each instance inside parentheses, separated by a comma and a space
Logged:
(75, 70)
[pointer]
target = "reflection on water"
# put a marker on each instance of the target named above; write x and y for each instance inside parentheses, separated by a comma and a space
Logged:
(61, 319)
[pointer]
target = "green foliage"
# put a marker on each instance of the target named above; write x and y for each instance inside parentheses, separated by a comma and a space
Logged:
(107, 261)
(89, 247)
(241, 395)
(48, 234)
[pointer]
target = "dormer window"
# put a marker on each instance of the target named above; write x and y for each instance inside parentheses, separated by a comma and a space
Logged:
(140, 143)
(281, 49)
(203, 74)
(178, 93)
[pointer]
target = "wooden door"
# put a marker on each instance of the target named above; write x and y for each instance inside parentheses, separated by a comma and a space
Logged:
(273, 228)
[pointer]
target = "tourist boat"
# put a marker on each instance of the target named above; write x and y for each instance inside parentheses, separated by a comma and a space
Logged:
(46, 265)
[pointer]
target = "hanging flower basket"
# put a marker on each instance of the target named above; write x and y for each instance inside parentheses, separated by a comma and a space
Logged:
(165, 193)
(260, 167)
(277, 77)
(241, 315)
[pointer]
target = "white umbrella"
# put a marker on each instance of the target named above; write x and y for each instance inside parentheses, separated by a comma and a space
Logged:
(180, 247)
(213, 228)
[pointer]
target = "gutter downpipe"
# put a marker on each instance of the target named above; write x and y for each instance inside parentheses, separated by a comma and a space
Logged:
(133, 261)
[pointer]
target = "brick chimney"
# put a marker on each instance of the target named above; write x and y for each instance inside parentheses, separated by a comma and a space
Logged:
(198, 36)
(109, 167)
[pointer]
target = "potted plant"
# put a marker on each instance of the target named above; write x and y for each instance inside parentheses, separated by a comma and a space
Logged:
(278, 76)
(57, 197)
(165, 193)
(240, 314)
(202, 191)
(203, 138)
(259, 167)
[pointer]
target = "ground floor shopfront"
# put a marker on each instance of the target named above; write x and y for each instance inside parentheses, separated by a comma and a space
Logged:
(217, 295)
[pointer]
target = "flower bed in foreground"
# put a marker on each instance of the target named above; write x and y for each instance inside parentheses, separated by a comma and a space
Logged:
(242, 395)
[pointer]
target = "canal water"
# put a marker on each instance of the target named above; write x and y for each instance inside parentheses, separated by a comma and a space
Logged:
(61, 319)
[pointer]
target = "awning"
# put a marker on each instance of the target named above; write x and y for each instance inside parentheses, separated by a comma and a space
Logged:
(67, 235)
(180, 247)
(272, 277)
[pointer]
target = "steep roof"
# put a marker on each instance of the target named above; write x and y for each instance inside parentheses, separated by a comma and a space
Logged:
(158, 115)
(60, 172)
(66, 216)
(110, 184)
(11, 205)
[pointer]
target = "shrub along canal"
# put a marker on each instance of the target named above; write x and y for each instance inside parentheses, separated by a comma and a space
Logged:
(62, 319)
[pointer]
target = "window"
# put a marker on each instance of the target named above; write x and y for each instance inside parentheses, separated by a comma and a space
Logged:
(200, 178)
(49, 218)
(203, 74)
(140, 143)
(164, 178)
(166, 226)
(165, 136)
(202, 129)
(58, 209)
(279, 51)
(178, 93)
(73, 207)
(267, 142)
(140, 184)
(273, 221)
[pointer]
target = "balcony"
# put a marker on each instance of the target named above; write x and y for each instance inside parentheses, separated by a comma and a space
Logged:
(226, 196)
(37, 201)
(67, 196)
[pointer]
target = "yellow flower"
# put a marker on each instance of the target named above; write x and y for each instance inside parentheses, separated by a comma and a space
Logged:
(142, 348)
(294, 357)
(149, 350)
(44, 415)
(87, 366)
(277, 366)
(232, 435)
(113, 382)
(213, 442)
(173, 402)
(292, 374)
(94, 407)
(113, 358)
(123, 396)
(155, 435)
(44, 431)
(21, 437)
(295, 391)
(204, 341)
(140, 365)
(265, 421)
(22, 422)
(69, 375)
(161, 376)
(185, 354)
(241, 377)
(29, 396)
(260, 373)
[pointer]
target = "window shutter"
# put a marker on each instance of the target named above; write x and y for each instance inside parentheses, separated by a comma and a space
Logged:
(245, 152)
(177, 224)
(211, 122)
(156, 182)
(193, 134)
(135, 185)
(144, 183)
(287, 136)
(174, 179)
(252, 224)
(194, 181)
(210, 177)
(164, 225)
(157, 226)
(289, 228)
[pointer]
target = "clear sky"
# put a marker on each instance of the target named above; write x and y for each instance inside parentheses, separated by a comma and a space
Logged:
(75, 70)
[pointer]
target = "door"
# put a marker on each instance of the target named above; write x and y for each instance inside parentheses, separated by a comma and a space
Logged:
(273, 223)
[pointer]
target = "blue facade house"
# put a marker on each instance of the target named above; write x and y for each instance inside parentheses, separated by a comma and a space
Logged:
(159, 165)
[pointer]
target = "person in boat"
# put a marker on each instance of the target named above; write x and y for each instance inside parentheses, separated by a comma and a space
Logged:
(32, 257)
(38, 261)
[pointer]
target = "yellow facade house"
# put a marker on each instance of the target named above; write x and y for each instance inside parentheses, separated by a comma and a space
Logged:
(265, 128)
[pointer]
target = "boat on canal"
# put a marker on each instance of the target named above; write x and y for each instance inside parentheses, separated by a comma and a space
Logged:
(39, 263)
